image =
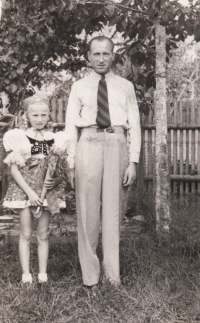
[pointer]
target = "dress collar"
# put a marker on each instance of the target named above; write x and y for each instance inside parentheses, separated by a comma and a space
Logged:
(39, 135)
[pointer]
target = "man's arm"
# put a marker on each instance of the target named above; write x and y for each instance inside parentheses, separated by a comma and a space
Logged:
(134, 137)
(72, 113)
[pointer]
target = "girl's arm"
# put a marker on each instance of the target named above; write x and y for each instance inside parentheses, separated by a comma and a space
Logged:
(17, 176)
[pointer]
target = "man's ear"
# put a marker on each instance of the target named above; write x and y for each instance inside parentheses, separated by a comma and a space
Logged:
(88, 56)
(113, 56)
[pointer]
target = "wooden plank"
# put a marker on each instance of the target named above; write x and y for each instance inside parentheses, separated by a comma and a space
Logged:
(53, 109)
(153, 149)
(5, 171)
(169, 149)
(65, 102)
(150, 155)
(1, 165)
(140, 179)
(181, 146)
(177, 178)
(175, 159)
(198, 161)
(60, 114)
(175, 149)
(142, 118)
(151, 116)
(198, 145)
(6, 219)
(193, 144)
(187, 188)
(146, 160)
(173, 126)
(59, 125)
(184, 113)
(168, 112)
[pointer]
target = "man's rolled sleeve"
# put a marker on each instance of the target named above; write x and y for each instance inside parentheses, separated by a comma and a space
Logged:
(134, 131)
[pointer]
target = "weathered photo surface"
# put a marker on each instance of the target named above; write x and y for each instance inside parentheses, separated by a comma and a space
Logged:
(99, 161)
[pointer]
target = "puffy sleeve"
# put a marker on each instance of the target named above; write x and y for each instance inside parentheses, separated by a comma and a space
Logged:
(16, 142)
(60, 140)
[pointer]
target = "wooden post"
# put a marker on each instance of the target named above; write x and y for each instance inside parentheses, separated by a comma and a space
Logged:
(198, 143)
(181, 145)
(175, 142)
(193, 144)
(162, 184)
(140, 179)
(60, 112)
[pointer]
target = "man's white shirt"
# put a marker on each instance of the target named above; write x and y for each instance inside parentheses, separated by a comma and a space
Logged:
(82, 111)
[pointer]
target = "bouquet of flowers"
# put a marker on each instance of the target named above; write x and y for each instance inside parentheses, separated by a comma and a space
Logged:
(55, 165)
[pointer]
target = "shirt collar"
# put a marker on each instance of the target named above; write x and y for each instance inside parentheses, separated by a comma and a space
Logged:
(98, 76)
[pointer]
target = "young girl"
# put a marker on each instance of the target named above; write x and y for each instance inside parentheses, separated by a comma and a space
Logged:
(28, 149)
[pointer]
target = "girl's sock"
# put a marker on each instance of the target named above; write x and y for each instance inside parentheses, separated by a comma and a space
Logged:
(42, 278)
(27, 278)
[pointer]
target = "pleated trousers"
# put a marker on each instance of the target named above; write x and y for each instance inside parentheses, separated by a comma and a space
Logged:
(101, 159)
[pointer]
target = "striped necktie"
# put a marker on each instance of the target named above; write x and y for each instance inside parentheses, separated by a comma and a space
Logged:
(103, 115)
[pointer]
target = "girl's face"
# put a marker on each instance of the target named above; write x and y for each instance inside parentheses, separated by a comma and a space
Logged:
(38, 115)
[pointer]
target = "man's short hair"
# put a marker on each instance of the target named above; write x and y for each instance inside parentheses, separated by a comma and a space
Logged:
(100, 39)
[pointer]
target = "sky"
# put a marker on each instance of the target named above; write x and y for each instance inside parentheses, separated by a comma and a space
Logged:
(183, 2)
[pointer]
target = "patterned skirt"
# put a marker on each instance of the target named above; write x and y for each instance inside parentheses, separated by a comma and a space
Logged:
(16, 198)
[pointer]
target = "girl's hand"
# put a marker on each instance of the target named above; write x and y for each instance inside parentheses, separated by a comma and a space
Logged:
(52, 182)
(34, 199)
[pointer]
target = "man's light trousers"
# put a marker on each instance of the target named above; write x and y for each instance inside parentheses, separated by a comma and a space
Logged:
(101, 160)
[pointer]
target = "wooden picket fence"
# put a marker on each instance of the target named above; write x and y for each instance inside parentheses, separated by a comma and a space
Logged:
(183, 119)
(183, 145)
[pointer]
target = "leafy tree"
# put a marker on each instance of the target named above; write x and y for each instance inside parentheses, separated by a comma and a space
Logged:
(183, 71)
(34, 33)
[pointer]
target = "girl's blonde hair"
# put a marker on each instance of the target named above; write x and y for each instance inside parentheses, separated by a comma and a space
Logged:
(36, 98)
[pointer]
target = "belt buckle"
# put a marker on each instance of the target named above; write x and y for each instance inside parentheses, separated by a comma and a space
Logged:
(109, 130)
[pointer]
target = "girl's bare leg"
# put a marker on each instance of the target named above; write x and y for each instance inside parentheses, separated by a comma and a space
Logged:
(24, 239)
(43, 240)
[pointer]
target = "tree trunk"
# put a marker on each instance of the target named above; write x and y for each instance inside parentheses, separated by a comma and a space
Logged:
(162, 183)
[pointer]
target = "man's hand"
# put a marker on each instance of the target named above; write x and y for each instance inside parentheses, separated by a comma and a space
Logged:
(129, 175)
(71, 177)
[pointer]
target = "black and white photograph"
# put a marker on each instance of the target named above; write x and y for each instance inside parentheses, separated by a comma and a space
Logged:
(99, 161)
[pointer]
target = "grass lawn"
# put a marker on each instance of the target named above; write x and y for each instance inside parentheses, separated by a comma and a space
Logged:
(160, 281)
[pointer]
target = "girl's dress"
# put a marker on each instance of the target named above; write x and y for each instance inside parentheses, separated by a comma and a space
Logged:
(33, 151)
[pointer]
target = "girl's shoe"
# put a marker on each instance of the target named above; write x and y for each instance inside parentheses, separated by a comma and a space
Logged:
(42, 278)
(27, 278)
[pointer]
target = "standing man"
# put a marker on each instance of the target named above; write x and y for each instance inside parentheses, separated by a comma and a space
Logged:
(103, 107)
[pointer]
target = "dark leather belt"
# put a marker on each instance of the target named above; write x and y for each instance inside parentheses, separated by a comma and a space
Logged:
(107, 130)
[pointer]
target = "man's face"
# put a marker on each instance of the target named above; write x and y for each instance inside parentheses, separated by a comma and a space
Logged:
(101, 56)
